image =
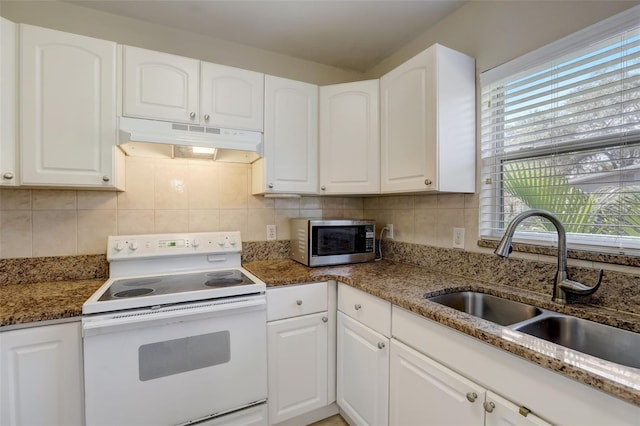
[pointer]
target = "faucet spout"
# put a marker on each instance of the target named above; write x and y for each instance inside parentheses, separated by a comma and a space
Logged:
(562, 284)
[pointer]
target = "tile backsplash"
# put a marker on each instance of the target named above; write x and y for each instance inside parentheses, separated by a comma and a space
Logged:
(162, 195)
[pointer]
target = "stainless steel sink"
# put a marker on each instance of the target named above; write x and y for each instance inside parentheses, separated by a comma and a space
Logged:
(491, 308)
(599, 340)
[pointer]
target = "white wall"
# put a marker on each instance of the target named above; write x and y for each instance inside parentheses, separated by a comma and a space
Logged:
(94, 23)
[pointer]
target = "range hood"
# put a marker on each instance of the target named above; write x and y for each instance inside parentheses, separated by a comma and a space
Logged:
(162, 139)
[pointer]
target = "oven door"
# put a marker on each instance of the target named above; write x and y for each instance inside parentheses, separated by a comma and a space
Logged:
(177, 364)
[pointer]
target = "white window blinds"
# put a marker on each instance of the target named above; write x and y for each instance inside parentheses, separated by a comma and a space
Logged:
(564, 136)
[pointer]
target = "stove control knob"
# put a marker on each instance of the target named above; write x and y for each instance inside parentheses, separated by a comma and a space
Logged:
(195, 243)
(119, 245)
(221, 242)
(233, 241)
(133, 245)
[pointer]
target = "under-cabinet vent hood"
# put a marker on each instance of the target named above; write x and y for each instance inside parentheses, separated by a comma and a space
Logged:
(150, 138)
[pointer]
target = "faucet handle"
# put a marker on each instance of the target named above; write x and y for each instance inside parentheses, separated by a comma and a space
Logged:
(575, 287)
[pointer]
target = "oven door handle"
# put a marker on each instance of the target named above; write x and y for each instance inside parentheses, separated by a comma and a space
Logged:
(141, 318)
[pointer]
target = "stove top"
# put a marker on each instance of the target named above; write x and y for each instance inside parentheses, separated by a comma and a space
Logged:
(171, 284)
(151, 270)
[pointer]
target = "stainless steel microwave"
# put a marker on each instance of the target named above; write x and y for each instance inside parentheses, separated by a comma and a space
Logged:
(320, 242)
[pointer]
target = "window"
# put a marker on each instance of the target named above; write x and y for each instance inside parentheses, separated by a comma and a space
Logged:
(561, 132)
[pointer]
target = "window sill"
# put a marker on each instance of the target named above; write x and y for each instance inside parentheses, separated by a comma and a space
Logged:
(593, 256)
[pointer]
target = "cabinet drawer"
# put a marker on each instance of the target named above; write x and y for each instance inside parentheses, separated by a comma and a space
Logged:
(296, 300)
(369, 310)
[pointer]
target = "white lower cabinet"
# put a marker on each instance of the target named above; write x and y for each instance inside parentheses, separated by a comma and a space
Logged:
(436, 370)
(41, 376)
(363, 372)
(423, 391)
(364, 324)
(301, 360)
(297, 365)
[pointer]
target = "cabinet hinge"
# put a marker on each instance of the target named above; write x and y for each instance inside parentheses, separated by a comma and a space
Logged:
(524, 411)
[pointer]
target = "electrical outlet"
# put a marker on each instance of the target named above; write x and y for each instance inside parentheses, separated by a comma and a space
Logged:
(458, 238)
(389, 230)
(271, 232)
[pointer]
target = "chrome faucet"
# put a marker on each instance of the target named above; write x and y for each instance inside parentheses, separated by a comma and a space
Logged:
(562, 284)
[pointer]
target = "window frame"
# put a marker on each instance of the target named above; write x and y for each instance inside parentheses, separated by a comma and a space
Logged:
(491, 200)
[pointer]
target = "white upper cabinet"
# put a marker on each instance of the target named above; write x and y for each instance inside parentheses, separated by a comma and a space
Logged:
(428, 123)
(350, 138)
(167, 87)
(231, 97)
(8, 142)
(68, 110)
(160, 86)
(290, 163)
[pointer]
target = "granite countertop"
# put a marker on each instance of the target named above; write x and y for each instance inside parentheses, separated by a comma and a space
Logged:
(406, 286)
(55, 300)
(401, 284)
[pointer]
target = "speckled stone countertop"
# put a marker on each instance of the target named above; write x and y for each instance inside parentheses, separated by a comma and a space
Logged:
(21, 304)
(406, 286)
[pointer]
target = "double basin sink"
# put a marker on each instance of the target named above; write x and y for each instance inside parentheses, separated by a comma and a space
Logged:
(598, 340)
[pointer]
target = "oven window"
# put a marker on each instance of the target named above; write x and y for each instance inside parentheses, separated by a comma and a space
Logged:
(332, 240)
(176, 356)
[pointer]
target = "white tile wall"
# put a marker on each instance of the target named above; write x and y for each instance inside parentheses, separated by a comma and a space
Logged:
(426, 219)
(161, 196)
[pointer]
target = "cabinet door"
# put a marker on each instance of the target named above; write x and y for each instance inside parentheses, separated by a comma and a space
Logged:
(503, 412)
(8, 157)
(231, 97)
(41, 376)
(423, 391)
(350, 138)
(363, 373)
(407, 120)
(68, 109)
(297, 359)
(160, 86)
(290, 162)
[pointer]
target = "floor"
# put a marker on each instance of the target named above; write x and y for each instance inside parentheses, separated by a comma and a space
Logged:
(332, 421)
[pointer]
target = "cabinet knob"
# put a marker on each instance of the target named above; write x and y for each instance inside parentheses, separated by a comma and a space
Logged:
(270, 185)
(427, 182)
(8, 175)
(472, 396)
(207, 117)
(323, 187)
(381, 345)
(489, 406)
(192, 115)
(357, 306)
(106, 178)
(325, 319)
(298, 302)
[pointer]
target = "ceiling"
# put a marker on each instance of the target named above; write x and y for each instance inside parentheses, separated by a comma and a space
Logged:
(353, 35)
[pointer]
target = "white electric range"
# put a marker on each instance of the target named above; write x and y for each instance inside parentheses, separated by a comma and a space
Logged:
(177, 335)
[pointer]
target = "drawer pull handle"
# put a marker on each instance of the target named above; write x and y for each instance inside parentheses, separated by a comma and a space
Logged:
(472, 396)
(325, 319)
(381, 345)
(298, 302)
(489, 406)
(357, 306)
